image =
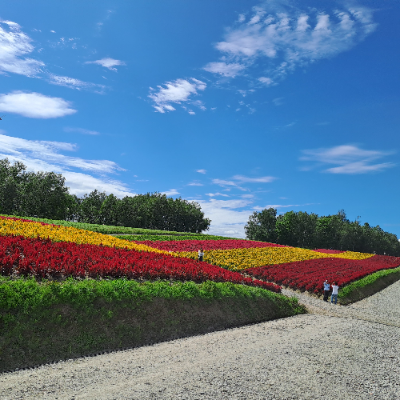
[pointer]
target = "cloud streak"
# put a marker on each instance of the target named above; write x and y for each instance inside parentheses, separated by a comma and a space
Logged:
(175, 92)
(47, 156)
(348, 158)
(109, 63)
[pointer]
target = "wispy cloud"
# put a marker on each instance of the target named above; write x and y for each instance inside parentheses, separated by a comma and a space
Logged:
(171, 192)
(15, 45)
(35, 105)
(285, 37)
(176, 92)
(81, 130)
(350, 159)
(225, 183)
(224, 69)
(47, 156)
(73, 83)
(195, 184)
(107, 62)
(201, 171)
(238, 180)
(217, 194)
(277, 206)
(246, 179)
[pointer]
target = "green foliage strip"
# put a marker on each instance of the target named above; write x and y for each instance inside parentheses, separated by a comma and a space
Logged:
(27, 295)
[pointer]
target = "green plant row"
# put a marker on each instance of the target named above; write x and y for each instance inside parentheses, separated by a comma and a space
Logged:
(169, 237)
(368, 285)
(27, 295)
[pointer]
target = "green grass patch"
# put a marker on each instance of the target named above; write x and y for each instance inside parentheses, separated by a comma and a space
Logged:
(48, 321)
(368, 285)
(170, 237)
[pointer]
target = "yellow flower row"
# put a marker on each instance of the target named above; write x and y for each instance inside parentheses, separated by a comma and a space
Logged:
(239, 259)
(67, 234)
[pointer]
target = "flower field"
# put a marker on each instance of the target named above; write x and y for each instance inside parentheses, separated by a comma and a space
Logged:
(43, 258)
(44, 250)
(195, 245)
(309, 274)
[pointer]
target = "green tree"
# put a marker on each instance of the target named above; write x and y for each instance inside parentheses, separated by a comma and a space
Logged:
(44, 194)
(296, 229)
(90, 207)
(11, 180)
(262, 226)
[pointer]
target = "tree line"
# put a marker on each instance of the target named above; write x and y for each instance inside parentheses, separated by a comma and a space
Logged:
(310, 231)
(44, 195)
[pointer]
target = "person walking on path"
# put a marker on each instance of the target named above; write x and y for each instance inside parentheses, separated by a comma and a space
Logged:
(200, 255)
(327, 289)
(335, 292)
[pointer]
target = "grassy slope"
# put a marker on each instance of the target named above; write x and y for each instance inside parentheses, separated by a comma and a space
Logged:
(52, 321)
(368, 285)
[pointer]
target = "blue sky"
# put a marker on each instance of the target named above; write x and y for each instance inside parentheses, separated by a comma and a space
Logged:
(238, 105)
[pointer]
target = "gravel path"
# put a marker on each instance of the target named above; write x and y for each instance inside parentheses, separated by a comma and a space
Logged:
(334, 352)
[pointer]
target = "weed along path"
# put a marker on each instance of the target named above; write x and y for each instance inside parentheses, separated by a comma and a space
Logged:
(334, 352)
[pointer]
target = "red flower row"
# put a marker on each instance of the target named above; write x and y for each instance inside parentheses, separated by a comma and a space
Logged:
(326, 251)
(43, 258)
(310, 274)
(26, 220)
(195, 245)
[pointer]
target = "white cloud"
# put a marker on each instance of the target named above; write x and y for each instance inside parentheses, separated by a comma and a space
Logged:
(245, 179)
(201, 171)
(35, 105)
(350, 159)
(195, 184)
(266, 81)
(289, 38)
(81, 184)
(228, 217)
(46, 156)
(191, 112)
(217, 194)
(199, 104)
(225, 183)
(48, 152)
(107, 62)
(278, 101)
(241, 18)
(14, 46)
(224, 69)
(73, 83)
(171, 192)
(177, 92)
(81, 130)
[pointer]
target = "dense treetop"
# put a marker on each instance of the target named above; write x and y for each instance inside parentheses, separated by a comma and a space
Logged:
(311, 231)
(44, 194)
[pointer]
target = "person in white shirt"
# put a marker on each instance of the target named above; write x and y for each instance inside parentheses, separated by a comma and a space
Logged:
(335, 292)
(200, 255)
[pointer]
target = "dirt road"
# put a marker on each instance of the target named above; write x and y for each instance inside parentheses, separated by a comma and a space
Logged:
(334, 352)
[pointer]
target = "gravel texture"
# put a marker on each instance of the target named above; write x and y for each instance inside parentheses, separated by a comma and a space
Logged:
(335, 352)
